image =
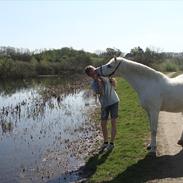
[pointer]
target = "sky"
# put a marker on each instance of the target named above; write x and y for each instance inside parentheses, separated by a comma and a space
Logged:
(92, 25)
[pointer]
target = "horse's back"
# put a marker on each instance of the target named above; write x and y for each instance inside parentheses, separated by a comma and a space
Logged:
(179, 78)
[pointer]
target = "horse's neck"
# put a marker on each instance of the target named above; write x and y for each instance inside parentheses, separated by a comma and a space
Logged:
(134, 81)
(137, 75)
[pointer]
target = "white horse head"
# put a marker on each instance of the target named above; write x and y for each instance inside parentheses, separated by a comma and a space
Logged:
(156, 91)
(109, 68)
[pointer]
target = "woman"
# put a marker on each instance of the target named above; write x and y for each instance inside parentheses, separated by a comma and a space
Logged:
(109, 100)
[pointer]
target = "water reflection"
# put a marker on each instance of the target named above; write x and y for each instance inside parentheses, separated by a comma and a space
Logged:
(46, 129)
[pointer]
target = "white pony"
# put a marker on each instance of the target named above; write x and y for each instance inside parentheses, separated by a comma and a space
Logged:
(156, 91)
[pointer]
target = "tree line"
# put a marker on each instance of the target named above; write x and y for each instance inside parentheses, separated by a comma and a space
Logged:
(22, 63)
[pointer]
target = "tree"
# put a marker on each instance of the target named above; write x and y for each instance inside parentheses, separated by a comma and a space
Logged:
(147, 57)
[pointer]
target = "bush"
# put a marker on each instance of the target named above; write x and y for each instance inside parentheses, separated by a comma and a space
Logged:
(169, 67)
(44, 69)
(11, 69)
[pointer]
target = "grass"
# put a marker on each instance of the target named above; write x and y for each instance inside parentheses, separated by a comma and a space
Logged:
(122, 164)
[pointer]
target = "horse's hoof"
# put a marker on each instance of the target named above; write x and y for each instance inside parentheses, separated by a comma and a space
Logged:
(180, 142)
(148, 147)
(151, 155)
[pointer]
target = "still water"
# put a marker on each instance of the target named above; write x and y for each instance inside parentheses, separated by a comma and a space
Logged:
(46, 129)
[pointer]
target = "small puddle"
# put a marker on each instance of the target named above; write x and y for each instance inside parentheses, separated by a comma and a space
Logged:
(47, 132)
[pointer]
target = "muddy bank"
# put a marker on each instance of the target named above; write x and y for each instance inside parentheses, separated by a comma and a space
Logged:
(47, 130)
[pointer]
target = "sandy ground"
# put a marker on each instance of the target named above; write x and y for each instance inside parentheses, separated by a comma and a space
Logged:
(170, 127)
(169, 154)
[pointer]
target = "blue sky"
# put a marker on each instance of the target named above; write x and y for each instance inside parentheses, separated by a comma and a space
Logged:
(92, 25)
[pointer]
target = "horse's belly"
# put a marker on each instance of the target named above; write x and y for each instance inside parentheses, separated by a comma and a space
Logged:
(172, 105)
(172, 109)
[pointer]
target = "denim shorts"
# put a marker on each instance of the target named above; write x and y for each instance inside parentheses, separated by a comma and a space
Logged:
(111, 109)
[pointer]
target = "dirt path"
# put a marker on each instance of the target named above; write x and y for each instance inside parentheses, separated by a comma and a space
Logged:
(170, 127)
(170, 155)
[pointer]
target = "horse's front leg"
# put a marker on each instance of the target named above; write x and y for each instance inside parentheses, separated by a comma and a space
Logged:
(153, 118)
(180, 142)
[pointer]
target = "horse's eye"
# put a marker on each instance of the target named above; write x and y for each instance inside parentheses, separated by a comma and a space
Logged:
(109, 66)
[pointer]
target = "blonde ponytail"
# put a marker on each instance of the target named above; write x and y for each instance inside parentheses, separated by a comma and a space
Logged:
(113, 82)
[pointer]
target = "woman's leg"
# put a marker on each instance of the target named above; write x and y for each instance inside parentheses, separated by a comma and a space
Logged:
(104, 130)
(113, 129)
(114, 116)
(104, 117)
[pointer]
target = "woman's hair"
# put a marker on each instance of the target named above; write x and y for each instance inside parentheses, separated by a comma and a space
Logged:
(88, 69)
(113, 81)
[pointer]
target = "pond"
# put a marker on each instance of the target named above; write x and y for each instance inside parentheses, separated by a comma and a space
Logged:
(47, 130)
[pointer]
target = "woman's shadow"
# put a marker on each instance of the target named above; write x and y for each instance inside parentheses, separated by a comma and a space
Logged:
(147, 169)
(166, 166)
(84, 172)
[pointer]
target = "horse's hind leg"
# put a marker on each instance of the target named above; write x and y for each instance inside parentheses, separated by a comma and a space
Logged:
(180, 141)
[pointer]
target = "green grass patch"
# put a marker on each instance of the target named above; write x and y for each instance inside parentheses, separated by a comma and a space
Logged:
(122, 164)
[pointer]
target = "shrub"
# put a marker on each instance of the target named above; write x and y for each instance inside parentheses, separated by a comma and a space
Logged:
(169, 67)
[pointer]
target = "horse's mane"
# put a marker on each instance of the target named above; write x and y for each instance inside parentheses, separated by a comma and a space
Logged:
(141, 69)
